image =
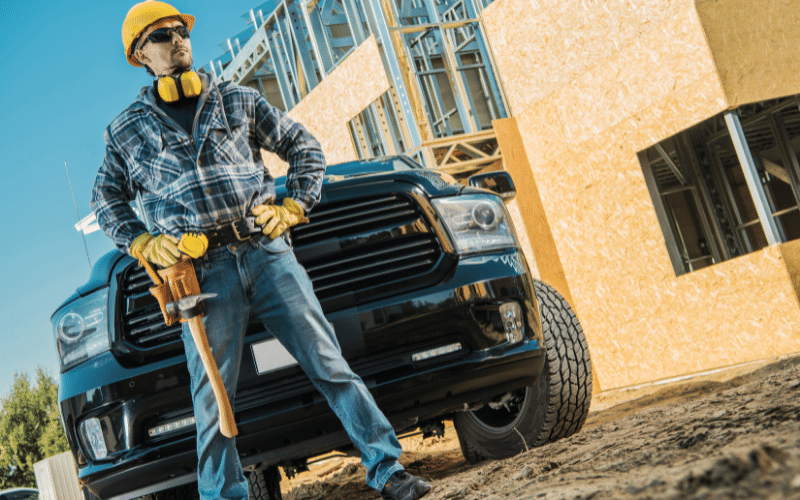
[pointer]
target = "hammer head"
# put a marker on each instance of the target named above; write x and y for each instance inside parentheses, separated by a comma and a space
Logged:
(189, 307)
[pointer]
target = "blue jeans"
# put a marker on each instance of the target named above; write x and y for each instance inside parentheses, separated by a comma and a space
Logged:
(262, 277)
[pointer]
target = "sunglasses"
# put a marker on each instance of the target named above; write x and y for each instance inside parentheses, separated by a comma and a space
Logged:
(162, 35)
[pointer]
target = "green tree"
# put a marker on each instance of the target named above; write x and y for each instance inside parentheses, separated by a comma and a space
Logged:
(30, 428)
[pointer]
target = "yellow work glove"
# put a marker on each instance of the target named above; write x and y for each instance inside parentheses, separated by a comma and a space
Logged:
(193, 244)
(276, 219)
(161, 250)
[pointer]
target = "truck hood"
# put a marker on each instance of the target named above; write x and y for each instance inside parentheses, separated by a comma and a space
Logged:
(433, 182)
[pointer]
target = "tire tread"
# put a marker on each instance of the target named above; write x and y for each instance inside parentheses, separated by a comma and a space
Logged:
(565, 393)
(568, 404)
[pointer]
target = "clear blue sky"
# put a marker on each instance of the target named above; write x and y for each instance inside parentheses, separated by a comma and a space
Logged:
(65, 78)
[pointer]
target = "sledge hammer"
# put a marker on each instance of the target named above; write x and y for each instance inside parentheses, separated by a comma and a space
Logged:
(180, 300)
(191, 309)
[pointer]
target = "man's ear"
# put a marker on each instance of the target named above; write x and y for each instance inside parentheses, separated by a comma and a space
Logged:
(141, 56)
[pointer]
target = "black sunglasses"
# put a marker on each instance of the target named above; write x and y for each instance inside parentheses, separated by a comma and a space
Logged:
(162, 35)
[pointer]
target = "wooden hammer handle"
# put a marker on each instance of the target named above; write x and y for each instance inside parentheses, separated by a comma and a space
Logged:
(227, 425)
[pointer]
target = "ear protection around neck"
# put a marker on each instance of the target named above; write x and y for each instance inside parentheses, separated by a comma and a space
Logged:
(172, 89)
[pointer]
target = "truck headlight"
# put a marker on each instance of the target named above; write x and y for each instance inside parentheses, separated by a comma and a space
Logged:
(81, 329)
(477, 223)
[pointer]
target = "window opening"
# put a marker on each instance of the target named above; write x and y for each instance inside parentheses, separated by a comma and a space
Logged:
(729, 185)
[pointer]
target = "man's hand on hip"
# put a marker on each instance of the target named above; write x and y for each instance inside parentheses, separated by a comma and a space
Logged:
(161, 250)
(276, 219)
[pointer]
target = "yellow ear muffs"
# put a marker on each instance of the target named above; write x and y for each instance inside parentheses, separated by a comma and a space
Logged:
(170, 91)
(167, 89)
(190, 83)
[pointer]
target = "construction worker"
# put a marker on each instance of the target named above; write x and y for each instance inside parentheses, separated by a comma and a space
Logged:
(191, 148)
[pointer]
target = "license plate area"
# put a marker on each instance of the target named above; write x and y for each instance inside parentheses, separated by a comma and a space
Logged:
(270, 355)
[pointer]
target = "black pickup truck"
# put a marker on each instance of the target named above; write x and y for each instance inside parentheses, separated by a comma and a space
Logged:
(432, 301)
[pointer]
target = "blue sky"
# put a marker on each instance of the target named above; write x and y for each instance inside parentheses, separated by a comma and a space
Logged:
(65, 78)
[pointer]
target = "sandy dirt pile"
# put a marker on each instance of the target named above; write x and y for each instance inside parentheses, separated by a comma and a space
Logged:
(695, 439)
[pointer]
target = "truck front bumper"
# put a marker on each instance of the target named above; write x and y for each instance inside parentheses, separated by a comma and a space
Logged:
(280, 416)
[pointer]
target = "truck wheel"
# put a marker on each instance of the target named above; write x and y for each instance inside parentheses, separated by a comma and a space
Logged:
(265, 484)
(555, 407)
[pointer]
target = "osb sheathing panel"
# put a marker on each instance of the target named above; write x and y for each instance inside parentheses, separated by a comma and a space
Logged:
(581, 138)
(790, 252)
(352, 86)
(755, 44)
(534, 219)
(542, 46)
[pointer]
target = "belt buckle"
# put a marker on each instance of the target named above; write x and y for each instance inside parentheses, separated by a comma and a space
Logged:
(236, 232)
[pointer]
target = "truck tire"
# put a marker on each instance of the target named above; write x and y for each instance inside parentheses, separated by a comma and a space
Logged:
(265, 484)
(555, 407)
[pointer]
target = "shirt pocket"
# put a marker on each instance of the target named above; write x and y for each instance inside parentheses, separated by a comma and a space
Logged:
(228, 148)
(158, 159)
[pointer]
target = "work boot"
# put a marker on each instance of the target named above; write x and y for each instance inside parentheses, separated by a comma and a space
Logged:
(403, 486)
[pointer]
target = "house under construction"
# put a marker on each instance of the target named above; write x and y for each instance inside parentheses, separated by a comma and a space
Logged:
(654, 145)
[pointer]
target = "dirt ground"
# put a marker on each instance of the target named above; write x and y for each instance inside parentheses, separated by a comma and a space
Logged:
(733, 433)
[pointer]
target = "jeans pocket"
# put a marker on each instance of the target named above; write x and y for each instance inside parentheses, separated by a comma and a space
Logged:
(200, 270)
(275, 246)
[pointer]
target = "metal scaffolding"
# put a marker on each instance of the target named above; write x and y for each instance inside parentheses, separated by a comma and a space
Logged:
(444, 93)
(451, 61)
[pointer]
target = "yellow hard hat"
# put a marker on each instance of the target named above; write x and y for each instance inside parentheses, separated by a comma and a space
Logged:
(143, 15)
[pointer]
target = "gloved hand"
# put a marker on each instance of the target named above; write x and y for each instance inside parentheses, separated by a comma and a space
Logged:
(161, 250)
(276, 219)
(193, 244)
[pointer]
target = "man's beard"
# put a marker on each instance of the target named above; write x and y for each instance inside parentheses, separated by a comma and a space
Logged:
(183, 65)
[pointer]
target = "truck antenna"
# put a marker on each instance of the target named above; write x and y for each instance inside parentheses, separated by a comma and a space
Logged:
(83, 235)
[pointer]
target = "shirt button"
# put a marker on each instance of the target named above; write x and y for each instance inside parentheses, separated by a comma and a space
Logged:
(233, 247)
(208, 191)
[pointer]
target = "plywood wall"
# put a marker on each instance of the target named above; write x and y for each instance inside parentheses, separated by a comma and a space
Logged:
(542, 46)
(325, 111)
(755, 44)
(591, 84)
(545, 261)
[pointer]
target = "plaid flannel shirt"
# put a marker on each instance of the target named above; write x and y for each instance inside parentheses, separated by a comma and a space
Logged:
(203, 181)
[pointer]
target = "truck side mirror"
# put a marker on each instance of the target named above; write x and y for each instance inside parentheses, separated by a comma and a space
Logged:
(500, 182)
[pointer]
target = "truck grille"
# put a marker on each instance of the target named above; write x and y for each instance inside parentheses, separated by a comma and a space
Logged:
(354, 245)
(143, 324)
(351, 248)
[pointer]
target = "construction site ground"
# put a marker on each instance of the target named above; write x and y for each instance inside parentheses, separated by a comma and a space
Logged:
(730, 433)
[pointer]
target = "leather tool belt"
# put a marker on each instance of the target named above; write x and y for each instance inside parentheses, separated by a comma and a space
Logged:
(240, 230)
(173, 284)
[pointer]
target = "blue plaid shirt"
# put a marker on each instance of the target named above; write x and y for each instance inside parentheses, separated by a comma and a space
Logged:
(199, 183)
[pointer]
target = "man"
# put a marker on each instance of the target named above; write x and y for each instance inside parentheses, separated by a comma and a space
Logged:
(191, 148)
